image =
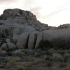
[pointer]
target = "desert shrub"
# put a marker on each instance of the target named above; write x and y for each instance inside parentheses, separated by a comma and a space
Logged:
(55, 68)
(51, 50)
(49, 64)
(66, 56)
(47, 57)
(22, 50)
(62, 65)
(57, 56)
(0, 49)
(20, 69)
(11, 63)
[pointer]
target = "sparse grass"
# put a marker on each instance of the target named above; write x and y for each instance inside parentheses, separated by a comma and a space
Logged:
(62, 65)
(0, 49)
(22, 50)
(57, 56)
(11, 64)
(51, 50)
(49, 62)
(54, 68)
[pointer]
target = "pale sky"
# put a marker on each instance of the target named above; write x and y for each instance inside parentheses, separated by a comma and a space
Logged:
(51, 12)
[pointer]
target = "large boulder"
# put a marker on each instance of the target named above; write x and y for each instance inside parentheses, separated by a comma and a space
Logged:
(10, 46)
(43, 43)
(60, 38)
(51, 34)
(32, 40)
(23, 40)
(39, 39)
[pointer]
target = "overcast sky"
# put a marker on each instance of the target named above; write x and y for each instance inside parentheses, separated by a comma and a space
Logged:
(51, 12)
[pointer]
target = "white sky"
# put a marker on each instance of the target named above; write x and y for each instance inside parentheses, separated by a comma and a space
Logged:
(51, 12)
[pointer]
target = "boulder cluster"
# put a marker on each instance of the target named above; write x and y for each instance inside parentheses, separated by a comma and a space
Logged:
(24, 31)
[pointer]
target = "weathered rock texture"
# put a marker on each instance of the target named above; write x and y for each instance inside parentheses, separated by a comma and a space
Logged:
(13, 16)
(60, 38)
(49, 38)
(63, 26)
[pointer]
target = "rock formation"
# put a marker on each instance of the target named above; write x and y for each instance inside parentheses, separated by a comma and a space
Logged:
(60, 38)
(63, 26)
(13, 16)
(25, 31)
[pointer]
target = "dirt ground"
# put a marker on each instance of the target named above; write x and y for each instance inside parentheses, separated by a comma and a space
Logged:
(39, 60)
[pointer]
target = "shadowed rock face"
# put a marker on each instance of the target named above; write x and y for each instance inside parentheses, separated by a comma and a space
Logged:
(61, 43)
(32, 40)
(60, 38)
(45, 45)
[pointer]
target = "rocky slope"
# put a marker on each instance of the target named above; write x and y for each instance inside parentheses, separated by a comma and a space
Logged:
(18, 16)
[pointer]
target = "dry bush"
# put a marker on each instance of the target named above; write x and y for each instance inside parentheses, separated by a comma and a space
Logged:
(11, 64)
(57, 56)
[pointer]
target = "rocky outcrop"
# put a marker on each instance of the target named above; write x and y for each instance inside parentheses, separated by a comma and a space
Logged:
(14, 22)
(23, 40)
(47, 39)
(22, 17)
(60, 38)
(50, 38)
(23, 28)
(63, 26)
